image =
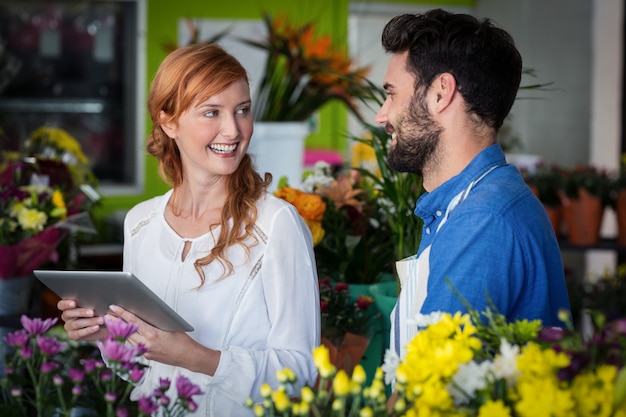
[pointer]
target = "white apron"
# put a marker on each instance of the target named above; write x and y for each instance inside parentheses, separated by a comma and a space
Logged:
(413, 273)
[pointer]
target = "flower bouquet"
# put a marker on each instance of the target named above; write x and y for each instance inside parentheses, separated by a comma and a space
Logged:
(44, 193)
(349, 227)
(476, 365)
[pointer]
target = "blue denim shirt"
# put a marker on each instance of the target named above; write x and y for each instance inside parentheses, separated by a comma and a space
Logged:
(497, 245)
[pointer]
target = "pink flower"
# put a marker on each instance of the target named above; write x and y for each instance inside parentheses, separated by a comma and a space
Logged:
(76, 375)
(50, 346)
(119, 329)
(17, 339)
(116, 351)
(92, 364)
(26, 352)
(57, 380)
(121, 412)
(185, 388)
(110, 397)
(36, 325)
(341, 286)
(147, 405)
(49, 366)
(136, 374)
(77, 390)
(363, 302)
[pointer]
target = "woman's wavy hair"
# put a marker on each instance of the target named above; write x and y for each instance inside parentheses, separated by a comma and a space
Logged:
(196, 73)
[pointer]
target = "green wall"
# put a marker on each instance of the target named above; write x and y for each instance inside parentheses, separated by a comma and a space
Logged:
(162, 18)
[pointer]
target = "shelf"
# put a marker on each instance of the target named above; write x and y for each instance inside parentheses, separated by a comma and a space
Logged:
(54, 105)
(603, 244)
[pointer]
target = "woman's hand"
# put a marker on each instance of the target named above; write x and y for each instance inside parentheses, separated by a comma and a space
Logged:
(81, 323)
(172, 348)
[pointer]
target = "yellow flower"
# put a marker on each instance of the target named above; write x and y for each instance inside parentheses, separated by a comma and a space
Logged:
(266, 391)
(317, 231)
(358, 374)
(281, 400)
(32, 219)
(494, 409)
(341, 384)
(307, 394)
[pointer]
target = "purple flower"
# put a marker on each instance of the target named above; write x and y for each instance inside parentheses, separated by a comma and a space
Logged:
(119, 329)
(16, 392)
(164, 384)
(552, 334)
(26, 352)
(116, 351)
(76, 375)
(57, 380)
(36, 325)
(77, 390)
(185, 388)
(121, 412)
(17, 339)
(164, 400)
(147, 405)
(92, 364)
(49, 366)
(110, 397)
(136, 374)
(50, 346)
(106, 375)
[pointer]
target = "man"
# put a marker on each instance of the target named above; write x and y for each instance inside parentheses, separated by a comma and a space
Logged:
(450, 83)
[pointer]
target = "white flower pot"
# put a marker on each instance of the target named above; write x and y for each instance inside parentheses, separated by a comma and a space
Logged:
(278, 148)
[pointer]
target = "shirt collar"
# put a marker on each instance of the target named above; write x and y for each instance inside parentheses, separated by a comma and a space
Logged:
(430, 203)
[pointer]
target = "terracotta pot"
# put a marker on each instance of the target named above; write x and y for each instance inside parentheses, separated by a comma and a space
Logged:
(583, 218)
(555, 214)
(620, 211)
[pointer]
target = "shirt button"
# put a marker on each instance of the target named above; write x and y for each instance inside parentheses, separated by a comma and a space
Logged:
(428, 230)
(438, 213)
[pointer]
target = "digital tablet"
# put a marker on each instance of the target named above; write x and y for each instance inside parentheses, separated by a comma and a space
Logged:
(100, 289)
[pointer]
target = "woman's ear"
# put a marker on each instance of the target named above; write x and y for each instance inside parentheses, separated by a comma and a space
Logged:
(167, 125)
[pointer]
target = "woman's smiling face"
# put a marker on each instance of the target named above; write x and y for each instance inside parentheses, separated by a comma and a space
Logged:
(213, 135)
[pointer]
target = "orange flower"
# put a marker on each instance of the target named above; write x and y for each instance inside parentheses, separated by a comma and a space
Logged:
(342, 193)
(310, 206)
(288, 194)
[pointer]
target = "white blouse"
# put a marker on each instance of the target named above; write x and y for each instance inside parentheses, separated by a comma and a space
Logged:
(263, 318)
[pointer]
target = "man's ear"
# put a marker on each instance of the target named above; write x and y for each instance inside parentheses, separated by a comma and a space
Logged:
(444, 91)
(167, 125)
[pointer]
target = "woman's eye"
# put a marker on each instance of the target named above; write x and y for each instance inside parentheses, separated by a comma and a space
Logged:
(243, 110)
(211, 113)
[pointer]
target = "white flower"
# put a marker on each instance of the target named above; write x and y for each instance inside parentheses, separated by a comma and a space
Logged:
(470, 378)
(424, 320)
(32, 219)
(390, 365)
(505, 363)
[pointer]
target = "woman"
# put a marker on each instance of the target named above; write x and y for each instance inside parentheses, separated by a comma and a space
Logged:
(236, 262)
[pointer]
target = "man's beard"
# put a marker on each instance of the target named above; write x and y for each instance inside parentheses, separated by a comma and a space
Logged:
(417, 140)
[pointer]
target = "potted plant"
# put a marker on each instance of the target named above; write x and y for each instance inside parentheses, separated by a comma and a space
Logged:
(618, 200)
(303, 72)
(585, 192)
(545, 182)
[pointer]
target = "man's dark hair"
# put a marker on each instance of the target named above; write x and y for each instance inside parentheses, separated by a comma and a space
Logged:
(482, 58)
